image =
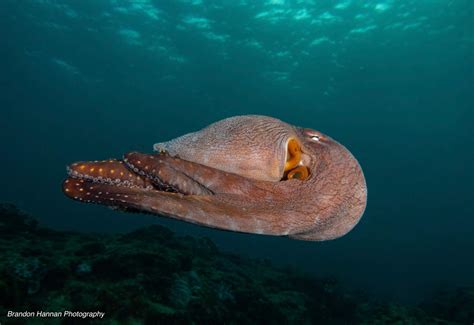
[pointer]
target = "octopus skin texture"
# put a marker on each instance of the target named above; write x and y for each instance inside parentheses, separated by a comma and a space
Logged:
(253, 174)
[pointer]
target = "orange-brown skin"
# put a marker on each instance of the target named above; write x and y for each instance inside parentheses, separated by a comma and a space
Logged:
(324, 206)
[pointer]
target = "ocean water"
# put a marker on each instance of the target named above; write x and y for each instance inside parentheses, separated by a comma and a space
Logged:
(391, 80)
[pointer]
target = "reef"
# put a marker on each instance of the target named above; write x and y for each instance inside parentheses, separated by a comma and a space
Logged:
(152, 276)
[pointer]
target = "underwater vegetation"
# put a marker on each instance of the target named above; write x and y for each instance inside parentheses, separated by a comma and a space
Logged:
(153, 276)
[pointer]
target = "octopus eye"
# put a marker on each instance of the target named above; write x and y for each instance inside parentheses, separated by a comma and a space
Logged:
(313, 135)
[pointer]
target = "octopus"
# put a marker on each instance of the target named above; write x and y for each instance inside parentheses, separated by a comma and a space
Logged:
(251, 174)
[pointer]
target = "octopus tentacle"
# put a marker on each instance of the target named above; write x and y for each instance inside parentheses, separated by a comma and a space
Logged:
(249, 174)
(188, 177)
(227, 211)
(89, 191)
(110, 171)
(162, 173)
(211, 211)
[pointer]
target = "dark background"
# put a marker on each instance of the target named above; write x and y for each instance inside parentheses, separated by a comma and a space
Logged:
(393, 81)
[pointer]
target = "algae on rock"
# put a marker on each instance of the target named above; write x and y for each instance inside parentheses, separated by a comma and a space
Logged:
(153, 276)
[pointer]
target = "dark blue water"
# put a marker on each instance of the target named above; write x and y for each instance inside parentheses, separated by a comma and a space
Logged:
(391, 80)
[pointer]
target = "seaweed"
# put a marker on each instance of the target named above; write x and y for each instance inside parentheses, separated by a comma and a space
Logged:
(153, 276)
